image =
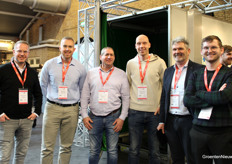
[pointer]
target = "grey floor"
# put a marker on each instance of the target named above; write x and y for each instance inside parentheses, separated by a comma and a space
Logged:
(79, 154)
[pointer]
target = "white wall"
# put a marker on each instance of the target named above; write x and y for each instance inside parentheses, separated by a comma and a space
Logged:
(194, 26)
(213, 26)
(178, 27)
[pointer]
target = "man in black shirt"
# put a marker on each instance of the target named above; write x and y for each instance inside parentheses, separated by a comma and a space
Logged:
(20, 89)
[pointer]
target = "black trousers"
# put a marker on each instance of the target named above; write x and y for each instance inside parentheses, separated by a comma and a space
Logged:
(207, 147)
(177, 131)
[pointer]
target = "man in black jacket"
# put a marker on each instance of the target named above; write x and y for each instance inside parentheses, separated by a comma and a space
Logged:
(175, 118)
(20, 89)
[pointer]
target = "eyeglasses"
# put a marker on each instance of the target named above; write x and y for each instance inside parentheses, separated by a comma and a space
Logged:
(20, 51)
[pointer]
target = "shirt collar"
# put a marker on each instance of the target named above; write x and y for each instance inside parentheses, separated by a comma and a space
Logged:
(107, 71)
(185, 66)
(150, 54)
(20, 69)
(59, 60)
(16, 64)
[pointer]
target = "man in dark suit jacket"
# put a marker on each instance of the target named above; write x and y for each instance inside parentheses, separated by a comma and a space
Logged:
(175, 118)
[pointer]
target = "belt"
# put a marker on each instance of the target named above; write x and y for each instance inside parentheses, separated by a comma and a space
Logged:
(180, 116)
(113, 112)
(63, 105)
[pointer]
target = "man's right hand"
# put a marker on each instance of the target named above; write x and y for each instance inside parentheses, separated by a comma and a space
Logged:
(161, 126)
(3, 117)
(87, 121)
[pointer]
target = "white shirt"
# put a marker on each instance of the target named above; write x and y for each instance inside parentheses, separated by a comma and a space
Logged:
(182, 110)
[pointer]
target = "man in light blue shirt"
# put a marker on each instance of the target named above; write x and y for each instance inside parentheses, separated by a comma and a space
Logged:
(106, 88)
(61, 81)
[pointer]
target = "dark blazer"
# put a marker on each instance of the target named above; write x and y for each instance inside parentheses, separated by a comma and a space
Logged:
(167, 81)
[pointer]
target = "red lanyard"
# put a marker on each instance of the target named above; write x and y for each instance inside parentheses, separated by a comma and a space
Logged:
(142, 75)
(64, 71)
(214, 75)
(177, 76)
(107, 78)
(19, 77)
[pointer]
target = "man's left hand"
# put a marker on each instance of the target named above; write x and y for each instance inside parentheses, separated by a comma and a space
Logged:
(32, 116)
(118, 124)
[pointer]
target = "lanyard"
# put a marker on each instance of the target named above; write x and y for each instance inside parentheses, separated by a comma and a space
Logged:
(64, 71)
(107, 78)
(211, 82)
(19, 77)
(142, 75)
(177, 76)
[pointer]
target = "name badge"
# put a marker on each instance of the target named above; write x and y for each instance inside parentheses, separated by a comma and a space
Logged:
(142, 92)
(63, 92)
(103, 96)
(23, 96)
(175, 101)
(205, 113)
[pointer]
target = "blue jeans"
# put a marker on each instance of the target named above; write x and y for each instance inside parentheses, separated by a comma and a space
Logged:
(100, 124)
(16, 131)
(137, 121)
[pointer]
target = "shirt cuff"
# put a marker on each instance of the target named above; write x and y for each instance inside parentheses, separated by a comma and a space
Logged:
(84, 114)
(36, 114)
(122, 117)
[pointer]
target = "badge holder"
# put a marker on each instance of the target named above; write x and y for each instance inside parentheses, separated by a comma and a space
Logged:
(23, 96)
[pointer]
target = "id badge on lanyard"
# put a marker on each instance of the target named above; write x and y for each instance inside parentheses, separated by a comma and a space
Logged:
(63, 92)
(23, 96)
(205, 113)
(142, 92)
(175, 97)
(175, 101)
(103, 96)
(23, 92)
(142, 89)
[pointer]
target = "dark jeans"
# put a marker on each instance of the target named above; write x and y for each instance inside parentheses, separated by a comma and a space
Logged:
(137, 121)
(177, 131)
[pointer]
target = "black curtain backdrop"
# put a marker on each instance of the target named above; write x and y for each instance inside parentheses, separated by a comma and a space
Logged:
(123, 43)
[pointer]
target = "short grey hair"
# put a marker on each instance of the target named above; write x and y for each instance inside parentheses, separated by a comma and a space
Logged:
(21, 42)
(181, 39)
(104, 50)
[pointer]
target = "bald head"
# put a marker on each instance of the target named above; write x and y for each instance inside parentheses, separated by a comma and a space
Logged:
(142, 46)
(142, 36)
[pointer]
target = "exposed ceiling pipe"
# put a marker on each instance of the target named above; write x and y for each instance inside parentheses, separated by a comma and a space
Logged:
(54, 6)
(28, 25)
(19, 15)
